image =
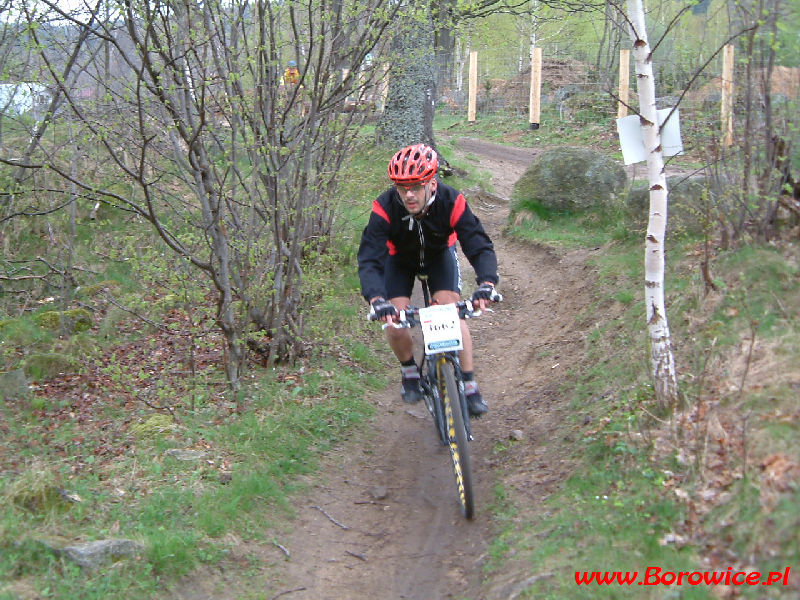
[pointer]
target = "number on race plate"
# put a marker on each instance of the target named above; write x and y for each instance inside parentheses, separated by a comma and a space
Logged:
(441, 328)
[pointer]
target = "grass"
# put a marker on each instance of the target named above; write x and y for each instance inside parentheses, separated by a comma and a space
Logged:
(612, 513)
(609, 516)
(621, 506)
(514, 128)
(564, 231)
(89, 435)
(113, 453)
(181, 510)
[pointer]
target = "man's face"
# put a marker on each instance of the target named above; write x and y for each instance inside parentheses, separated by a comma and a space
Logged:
(414, 196)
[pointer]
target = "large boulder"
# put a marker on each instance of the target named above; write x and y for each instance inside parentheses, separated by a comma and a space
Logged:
(685, 212)
(569, 180)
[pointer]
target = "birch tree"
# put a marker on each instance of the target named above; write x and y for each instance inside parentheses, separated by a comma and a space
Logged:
(663, 363)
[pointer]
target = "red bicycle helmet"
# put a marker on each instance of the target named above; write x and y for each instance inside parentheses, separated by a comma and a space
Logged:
(413, 164)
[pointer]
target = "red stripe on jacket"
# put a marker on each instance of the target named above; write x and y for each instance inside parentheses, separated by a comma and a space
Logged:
(458, 210)
(378, 210)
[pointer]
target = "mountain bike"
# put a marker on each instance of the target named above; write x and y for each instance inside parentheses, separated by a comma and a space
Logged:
(442, 382)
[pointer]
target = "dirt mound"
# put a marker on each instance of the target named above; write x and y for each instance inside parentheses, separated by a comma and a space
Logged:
(556, 74)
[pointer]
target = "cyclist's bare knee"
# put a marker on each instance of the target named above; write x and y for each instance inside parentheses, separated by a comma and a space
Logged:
(446, 297)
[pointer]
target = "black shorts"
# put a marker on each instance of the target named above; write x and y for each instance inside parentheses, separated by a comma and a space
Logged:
(442, 270)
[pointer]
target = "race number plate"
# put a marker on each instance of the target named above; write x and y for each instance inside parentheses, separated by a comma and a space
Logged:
(441, 329)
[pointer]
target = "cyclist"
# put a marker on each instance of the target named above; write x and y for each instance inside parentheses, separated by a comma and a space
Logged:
(291, 76)
(412, 230)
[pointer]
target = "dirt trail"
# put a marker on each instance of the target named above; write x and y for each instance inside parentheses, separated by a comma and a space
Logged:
(383, 521)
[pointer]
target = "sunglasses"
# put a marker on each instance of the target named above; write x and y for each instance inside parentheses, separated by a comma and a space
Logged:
(414, 188)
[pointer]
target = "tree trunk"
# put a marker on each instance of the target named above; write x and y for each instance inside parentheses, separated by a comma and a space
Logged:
(663, 364)
(408, 116)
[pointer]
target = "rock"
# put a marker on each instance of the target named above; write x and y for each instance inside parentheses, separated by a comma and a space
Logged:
(14, 385)
(110, 286)
(92, 555)
(569, 180)
(74, 320)
(517, 435)
(685, 205)
(378, 492)
(180, 454)
(46, 365)
(37, 489)
(567, 91)
(666, 102)
(154, 426)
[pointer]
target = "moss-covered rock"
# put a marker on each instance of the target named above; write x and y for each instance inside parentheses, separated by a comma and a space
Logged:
(153, 426)
(74, 320)
(110, 286)
(37, 489)
(569, 180)
(14, 385)
(50, 319)
(684, 208)
(47, 365)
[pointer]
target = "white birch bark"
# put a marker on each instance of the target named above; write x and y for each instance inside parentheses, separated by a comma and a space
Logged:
(663, 363)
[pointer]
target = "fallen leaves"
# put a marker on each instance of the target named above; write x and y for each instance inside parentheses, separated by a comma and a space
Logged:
(779, 474)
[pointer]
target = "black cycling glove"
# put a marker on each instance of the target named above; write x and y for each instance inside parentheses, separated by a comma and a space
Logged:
(485, 292)
(381, 308)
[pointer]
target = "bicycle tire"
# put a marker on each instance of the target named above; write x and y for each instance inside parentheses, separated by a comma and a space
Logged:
(457, 440)
(433, 402)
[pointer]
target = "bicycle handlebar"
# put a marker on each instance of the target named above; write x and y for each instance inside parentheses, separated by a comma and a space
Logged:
(407, 318)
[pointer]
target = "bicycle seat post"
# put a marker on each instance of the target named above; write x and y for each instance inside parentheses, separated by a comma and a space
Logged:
(426, 295)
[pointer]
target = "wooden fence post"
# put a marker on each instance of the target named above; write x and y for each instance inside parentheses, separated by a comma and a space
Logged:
(726, 109)
(473, 85)
(624, 82)
(535, 101)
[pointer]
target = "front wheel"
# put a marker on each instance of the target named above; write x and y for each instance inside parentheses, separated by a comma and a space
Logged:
(457, 439)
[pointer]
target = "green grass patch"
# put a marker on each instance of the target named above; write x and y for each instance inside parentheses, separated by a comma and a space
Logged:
(514, 128)
(180, 509)
(188, 480)
(612, 514)
(616, 518)
(569, 231)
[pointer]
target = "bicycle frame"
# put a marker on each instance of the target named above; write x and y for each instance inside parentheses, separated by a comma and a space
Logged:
(431, 365)
(442, 382)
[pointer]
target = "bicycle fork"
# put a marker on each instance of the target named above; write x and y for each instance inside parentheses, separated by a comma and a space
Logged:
(431, 387)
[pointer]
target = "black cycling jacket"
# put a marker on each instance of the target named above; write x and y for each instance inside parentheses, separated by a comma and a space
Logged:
(393, 231)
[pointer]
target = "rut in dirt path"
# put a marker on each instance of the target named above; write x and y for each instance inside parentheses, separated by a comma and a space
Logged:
(382, 522)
